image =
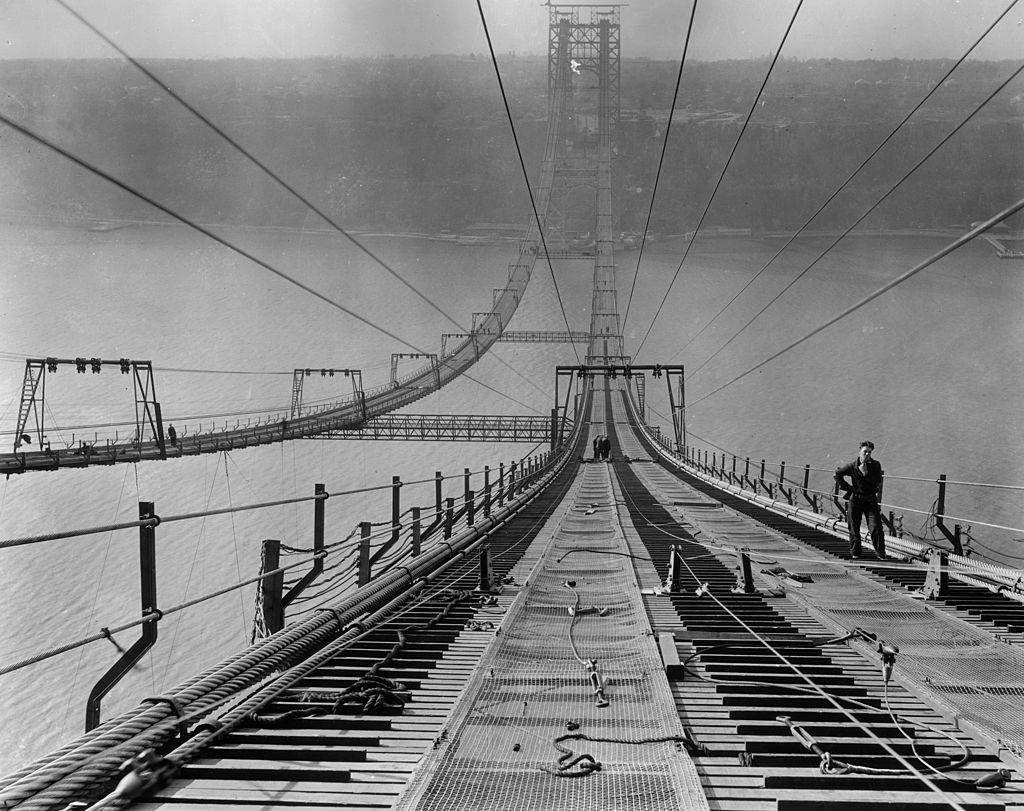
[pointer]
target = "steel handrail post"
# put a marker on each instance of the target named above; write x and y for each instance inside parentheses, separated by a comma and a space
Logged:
(147, 589)
(396, 508)
(438, 504)
(449, 517)
(363, 563)
(415, 530)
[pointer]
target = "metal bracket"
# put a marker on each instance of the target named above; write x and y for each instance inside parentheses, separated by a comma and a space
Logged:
(131, 657)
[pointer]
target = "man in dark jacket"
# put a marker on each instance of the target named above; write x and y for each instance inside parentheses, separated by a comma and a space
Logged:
(865, 475)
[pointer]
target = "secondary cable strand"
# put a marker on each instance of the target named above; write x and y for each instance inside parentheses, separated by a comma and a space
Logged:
(661, 161)
(862, 217)
(938, 85)
(725, 169)
(985, 226)
(271, 173)
(526, 176)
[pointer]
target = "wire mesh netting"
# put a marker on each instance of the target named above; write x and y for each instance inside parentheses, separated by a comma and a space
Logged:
(575, 658)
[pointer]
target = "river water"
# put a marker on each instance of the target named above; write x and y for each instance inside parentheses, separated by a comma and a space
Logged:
(929, 371)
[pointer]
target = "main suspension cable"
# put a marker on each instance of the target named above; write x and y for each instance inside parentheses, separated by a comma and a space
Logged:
(721, 176)
(938, 85)
(985, 226)
(526, 176)
(272, 174)
(231, 246)
(864, 216)
(661, 161)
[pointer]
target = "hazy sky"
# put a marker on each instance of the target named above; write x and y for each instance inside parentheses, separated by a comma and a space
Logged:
(879, 29)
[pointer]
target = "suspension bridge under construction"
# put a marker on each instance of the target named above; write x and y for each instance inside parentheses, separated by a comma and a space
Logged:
(654, 630)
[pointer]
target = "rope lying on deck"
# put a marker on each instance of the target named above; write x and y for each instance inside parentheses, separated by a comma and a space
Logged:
(371, 690)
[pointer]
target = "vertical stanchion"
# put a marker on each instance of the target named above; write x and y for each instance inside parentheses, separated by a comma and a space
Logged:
(147, 593)
(449, 516)
(487, 491)
(465, 486)
(319, 505)
(485, 569)
(273, 609)
(470, 508)
(512, 479)
(940, 523)
(363, 575)
(501, 484)
(416, 529)
(438, 479)
(396, 508)
(748, 577)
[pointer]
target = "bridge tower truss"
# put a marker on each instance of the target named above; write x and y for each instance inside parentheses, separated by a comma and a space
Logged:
(33, 397)
(583, 40)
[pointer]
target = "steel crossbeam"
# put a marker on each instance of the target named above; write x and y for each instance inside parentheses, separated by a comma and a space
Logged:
(448, 428)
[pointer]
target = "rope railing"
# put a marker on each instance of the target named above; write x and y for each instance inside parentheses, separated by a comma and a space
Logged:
(154, 616)
(775, 466)
(821, 501)
(166, 519)
(902, 508)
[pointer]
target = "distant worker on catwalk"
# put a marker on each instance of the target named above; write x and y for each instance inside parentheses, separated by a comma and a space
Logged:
(862, 493)
(606, 448)
(597, 447)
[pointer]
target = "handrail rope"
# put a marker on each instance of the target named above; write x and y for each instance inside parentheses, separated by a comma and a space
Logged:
(830, 471)
(898, 507)
(937, 86)
(725, 168)
(900, 279)
(926, 540)
(526, 176)
(161, 613)
(901, 508)
(731, 550)
(278, 179)
(401, 552)
(152, 616)
(661, 161)
(470, 568)
(526, 537)
(154, 521)
(865, 728)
